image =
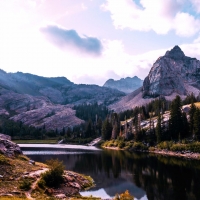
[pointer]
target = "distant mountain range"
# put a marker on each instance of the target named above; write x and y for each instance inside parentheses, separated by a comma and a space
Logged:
(126, 85)
(37, 100)
(172, 74)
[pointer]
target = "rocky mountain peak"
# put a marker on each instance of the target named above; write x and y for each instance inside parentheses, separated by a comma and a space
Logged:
(172, 73)
(175, 53)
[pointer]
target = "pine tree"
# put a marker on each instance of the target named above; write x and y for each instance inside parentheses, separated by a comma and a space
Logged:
(175, 121)
(158, 128)
(191, 115)
(197, 123)
(106, 130)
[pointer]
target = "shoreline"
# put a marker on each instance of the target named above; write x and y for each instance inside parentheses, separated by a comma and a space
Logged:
(194, 156)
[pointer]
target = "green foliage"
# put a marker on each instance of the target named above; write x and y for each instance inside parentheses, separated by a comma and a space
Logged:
(53, 177)
(121, 144)
(139, 146)
(165, 145)
(89, 111)
(176, 119)
(106, 130)
(41, 183)
(124, 196)
(25, 185)
(191, 116)
(196, 123)
(158, 128)
(3, 160)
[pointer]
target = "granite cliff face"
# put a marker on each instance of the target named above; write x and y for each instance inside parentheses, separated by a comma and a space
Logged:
(126, 85)
(172, 74)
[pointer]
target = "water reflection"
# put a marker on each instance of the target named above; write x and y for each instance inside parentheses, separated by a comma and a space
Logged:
(146, 176)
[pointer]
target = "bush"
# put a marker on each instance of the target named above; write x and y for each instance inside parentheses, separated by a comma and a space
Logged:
(25, 185)
(124, 196)
(121, 144)
(41, 183)
(3, 160)
(53, 177)
(165, 145)
(139, 146)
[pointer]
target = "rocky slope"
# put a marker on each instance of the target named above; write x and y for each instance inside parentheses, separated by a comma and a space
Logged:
(126, 85)
(36, 111)
(58, 90)
(39, 101)
(172, 74)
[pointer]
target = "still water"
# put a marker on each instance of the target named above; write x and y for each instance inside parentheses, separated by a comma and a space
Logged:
(145, 176)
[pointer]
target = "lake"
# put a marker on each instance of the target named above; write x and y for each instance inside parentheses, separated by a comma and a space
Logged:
(145, 176)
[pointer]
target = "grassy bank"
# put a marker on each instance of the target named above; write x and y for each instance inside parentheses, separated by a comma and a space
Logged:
(166, 147)
(50, 141)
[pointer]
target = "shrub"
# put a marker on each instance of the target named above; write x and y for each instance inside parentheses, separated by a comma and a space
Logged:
(23, 157)
(124, 196)
(41, 183)
(121, 144)
(53, 177)
(139, 146)
(3, 160)
(178, 147)
(165, 145)
(25, 185)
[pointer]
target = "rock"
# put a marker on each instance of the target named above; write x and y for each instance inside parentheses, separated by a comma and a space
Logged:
(32, 162)
(60, 196)
(9, 148)
(5, 137)
(172, 74)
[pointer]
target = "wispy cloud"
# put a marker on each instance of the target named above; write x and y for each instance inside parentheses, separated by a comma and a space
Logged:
(70, 39)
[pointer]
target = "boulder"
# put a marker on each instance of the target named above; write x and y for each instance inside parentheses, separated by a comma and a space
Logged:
(9, 148)
(5, 137)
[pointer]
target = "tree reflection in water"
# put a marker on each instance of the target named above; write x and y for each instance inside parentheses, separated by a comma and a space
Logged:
(157, 176)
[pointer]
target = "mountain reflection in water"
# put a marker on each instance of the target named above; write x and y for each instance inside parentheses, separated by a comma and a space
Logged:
(146, 176)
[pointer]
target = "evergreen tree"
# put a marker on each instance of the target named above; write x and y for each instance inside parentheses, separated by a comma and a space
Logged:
(191, 115)
(106, 130)
(175, 121)
(158, 128)
(197, 124)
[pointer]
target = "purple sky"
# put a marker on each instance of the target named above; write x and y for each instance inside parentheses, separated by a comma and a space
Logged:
(90, 41)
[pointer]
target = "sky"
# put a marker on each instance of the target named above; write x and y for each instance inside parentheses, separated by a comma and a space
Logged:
(91, 41)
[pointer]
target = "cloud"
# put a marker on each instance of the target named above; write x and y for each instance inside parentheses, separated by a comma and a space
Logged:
(69, 39)
(196, 5)
(161, 16)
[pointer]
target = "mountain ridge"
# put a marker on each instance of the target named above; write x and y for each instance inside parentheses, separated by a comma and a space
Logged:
(172, 74)
(126, 85)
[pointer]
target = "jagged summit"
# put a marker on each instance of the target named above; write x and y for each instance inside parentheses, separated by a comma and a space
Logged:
(175, 53)
(172, 74)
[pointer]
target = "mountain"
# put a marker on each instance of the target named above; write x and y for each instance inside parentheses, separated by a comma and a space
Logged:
(172, 74)
(126, 85)
(39, 101)
(58, 90)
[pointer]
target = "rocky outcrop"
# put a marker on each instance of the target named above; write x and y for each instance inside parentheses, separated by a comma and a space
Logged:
(7, 147)
(37, 111)
(172, 73)
(126, 85)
